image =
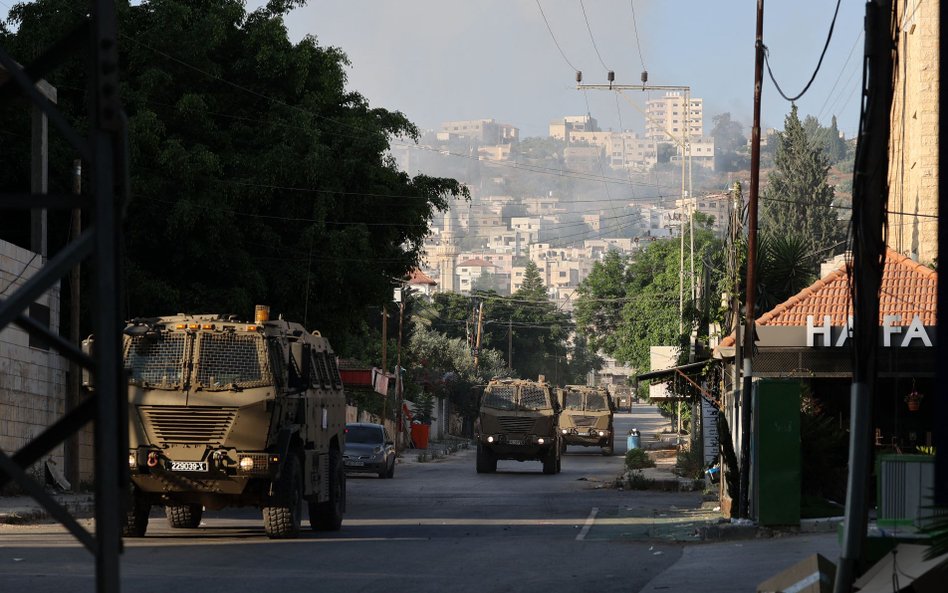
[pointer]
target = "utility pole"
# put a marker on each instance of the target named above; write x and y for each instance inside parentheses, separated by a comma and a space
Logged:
(385, 358)
(510, 344)
(71, 450)
(748, 347)
(736, 435)
(398, 369)
(480, 325)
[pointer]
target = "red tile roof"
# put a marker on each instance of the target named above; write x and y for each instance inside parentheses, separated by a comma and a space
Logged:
(419, 277)
(908, 289)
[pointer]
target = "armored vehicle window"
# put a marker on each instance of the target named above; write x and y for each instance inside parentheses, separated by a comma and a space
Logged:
(155, 360)
(573, 400)
(596, 402)
(333, 371)
(533, 397)
(322, 369)
(501, 397)
(232, 360)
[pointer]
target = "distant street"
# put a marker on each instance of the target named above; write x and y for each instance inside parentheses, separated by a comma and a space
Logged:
(438, 526)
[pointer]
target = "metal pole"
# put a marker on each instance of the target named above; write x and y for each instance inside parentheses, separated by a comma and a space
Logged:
(480, 325)
(510, 344)
(385, 360)
(398, 367)
(39, 170)
(751, 266)
(71, 451)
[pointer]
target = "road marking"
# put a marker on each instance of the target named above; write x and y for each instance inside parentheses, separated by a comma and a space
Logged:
(588, 525)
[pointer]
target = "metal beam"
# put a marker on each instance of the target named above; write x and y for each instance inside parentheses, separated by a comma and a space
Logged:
(66, 348)
(52, 57)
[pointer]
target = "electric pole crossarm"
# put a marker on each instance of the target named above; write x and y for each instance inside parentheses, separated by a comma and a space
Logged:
(632, 87)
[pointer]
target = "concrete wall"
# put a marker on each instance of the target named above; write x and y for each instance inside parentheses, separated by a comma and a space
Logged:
(32, 380)
(913, 169)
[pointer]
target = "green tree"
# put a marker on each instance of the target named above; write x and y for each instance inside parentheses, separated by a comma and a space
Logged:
(601, 299)
(798, 197)
(257, 176)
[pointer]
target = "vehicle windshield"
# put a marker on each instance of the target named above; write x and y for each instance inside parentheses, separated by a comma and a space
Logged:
(230, 360)
(596, 402)
(155, 360)
(573, 400)
(369, 435)
(500, 397)
(534, 397)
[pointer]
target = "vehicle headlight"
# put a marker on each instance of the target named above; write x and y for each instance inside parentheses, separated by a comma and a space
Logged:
(246, 464)
(377, 450)
(602, 434)
(540, 441)
(565, 431)
(490, 439)
(132, 461)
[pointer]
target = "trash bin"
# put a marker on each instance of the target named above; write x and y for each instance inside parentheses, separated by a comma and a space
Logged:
(419, 435)
(634, 440)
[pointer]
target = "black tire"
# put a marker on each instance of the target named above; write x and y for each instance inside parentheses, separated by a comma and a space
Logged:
(327, 516)
(136, 516)
(608, 450)
(486, 460)
(559, 463)
(187, 516)
(549, 461)
(391, 470)
(282, 520)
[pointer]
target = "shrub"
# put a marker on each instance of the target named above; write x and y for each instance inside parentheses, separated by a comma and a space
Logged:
(638, 459)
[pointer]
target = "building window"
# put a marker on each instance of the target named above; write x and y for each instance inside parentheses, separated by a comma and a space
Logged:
(40, 314)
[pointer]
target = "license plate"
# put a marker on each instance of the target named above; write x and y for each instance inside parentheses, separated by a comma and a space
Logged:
(189, 466)
(514, 442)
(355, 463)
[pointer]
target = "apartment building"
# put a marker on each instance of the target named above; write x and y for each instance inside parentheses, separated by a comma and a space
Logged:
(542, 205)
(717, 206)
(561, 129)
(672, 117)
(622, 149)
(484, 131)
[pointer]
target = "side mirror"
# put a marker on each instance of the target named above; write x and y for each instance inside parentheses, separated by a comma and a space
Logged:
(88, 348)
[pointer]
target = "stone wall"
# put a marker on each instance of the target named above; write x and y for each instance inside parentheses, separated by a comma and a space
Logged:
(32, 377)
(913, 164)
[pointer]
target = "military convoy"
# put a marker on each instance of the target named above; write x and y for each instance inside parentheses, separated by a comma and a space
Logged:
(518, 420)
(587, 417)
(224, 413)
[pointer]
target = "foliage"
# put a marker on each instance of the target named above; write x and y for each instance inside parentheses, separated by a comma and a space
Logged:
(424, 407)
(689, 463)
(798, 197)
(785, 266)
(256, 176)
(638, 459)
(824, 452)
(826, 138)
(599, 307)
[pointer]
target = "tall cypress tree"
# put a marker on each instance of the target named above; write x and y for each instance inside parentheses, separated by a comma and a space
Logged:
(798, 199)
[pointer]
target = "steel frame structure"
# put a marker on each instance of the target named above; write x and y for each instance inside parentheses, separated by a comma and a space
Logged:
(104, 152)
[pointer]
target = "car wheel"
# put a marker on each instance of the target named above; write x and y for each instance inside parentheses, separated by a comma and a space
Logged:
(186, 516)
(486, 460)
(549, 461)
(136, 517)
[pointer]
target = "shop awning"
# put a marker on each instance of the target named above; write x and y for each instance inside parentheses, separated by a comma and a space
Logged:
(682, 371)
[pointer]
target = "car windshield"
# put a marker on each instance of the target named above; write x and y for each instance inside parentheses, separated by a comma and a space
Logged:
(533, 397)
(370, 435)
(501, 397)
(596, 402)
(573, 400)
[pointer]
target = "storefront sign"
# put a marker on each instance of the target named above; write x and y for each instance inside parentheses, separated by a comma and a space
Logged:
(893, 335)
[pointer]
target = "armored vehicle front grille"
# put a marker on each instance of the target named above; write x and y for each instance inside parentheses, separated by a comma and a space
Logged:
(179, 424)
(583, 420)
(516, 424)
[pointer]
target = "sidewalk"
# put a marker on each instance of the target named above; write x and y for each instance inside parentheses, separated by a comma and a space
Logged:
(15, 510)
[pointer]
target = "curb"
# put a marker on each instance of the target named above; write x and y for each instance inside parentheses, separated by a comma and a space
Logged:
(26, 511)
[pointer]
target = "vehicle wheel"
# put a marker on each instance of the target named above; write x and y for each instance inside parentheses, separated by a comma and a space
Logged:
(559, 463)
(608, 450)
(187, 516)
(283, 521)
(549, 461)
(562, 446)
(486, 460)
(327, 516)
(391, 470)
(136, 516)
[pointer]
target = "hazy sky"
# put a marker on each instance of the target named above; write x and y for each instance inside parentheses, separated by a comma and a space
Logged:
(438, 60)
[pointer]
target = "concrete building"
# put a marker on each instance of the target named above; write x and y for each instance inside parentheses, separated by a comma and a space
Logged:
(32, 375)
(561, 129)
(445, 254)
(702, 152)
(584, 158)
(470, 273)
(623, 150)
(670, 118)
(485, 131)
(913, 152)
(717, 206)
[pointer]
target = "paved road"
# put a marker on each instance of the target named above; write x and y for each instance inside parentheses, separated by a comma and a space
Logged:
(436, 527)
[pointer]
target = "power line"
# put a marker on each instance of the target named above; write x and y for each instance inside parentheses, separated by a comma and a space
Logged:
(840, 75)
(635, 28)
(818, 64)
(555, 42)
(591, 36)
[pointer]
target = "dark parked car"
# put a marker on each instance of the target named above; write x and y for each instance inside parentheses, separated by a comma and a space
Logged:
(369, 449)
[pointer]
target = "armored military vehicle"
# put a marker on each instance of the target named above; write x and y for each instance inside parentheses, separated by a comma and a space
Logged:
(586, 418)
(518, 420)
(225, 412)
